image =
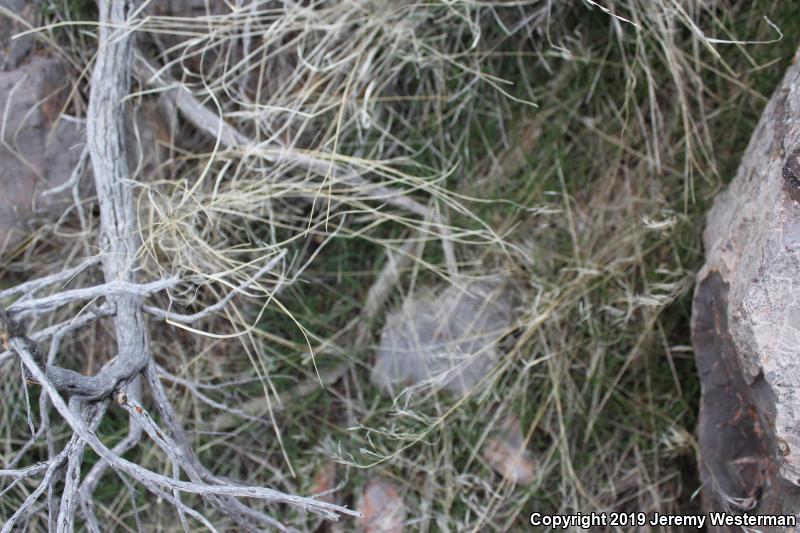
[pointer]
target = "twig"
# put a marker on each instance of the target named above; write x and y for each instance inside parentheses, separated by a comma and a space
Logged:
(148, 477)
(232, 507)
(58, 331)
(89, 483)
(74, 178)
(66, 514)
(200, 395)
(94, 387)
(52, 468)
(211, 309)
(109, 290)
(20, 474)
(50, 473)
(29, 287)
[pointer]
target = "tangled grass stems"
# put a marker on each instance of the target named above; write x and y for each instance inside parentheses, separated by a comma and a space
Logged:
(347, 132)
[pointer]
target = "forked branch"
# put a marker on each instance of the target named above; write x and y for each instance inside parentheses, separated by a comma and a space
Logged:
(82, 401)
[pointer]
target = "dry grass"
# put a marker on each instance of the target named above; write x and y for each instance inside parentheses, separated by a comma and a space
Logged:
(570, 148)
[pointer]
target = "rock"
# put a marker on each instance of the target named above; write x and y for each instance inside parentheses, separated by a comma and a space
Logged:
(39, 151)
(746, 323)
(382, 507)
(40, 148)
(14, 51)
(446, 340)
(506, 453)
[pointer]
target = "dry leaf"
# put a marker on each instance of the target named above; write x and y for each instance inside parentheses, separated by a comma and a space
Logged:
(382, 507)
(445, 339)
(508, 456)
(324, 483)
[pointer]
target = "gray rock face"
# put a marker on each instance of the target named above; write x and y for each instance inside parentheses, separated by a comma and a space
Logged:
(746, 322)
(14, 51)
(38, 150)
(40, 147)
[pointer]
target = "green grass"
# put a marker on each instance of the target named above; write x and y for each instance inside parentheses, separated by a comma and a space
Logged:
(631, 378)
(650, 389)
(598, 368)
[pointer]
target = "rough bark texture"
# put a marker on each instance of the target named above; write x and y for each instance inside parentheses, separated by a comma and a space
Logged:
(90, 396)
(746, 323)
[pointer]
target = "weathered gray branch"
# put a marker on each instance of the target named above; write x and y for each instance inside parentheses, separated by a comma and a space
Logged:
(105, 134)
(29, 287)
(58, 331)
(89, 396)
(109, 290)
(92, 478)
(197, 472)
(52, 467)
(64, 379)
(211, 309)
(148, 477)
(93, 414)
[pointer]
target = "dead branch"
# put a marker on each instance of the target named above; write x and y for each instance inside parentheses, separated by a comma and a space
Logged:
(150, 478)
(89, 397)
(111, 289)
(106, 140)
(30, 287)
